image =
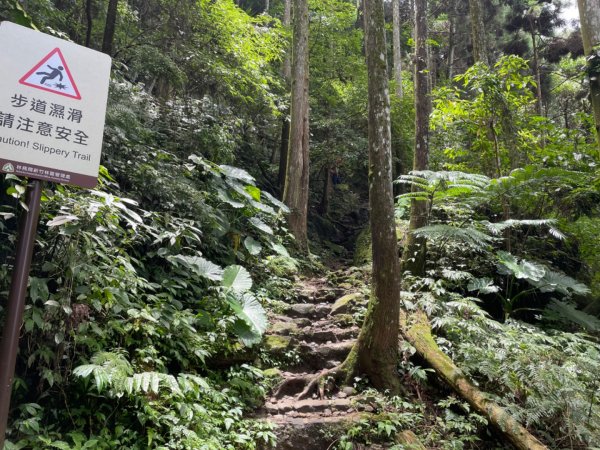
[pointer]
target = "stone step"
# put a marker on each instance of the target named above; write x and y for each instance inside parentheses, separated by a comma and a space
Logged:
(319, 356)
(324, 295)
(308, 310)
(326, 407)
(327, 333)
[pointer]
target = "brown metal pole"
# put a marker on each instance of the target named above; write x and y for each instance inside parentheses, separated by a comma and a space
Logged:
(16, 301)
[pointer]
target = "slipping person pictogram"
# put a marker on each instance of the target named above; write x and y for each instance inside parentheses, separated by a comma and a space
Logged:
(56, 72)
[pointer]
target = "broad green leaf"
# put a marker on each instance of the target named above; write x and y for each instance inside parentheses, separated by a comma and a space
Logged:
(280, 249)
(237, 173)
(200, 266)
(253, 191)
(527, 270)
(253, 319)
(252, 245)
(237, 278)
(482, 285)
(261, 225)
(227, 198)
(60, 220)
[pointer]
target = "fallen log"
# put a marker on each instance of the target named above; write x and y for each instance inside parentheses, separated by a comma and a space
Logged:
(417, 330)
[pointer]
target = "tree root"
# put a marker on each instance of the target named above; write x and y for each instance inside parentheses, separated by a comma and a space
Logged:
(417, 330)
(312, 383)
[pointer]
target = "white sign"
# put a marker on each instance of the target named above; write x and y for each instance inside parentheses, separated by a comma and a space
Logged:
(53, 97)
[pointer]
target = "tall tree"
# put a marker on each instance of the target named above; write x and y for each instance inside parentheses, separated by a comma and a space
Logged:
(414, 252)
(109, 28)
(376, 351)
(589, 13)
(285, 124)
(397, 51)
(296, 180)
(89, 22)
(478, 31)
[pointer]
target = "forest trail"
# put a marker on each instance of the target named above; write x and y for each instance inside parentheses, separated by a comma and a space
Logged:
(319, 331)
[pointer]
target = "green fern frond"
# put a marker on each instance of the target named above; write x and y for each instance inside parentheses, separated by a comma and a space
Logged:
(469, 236)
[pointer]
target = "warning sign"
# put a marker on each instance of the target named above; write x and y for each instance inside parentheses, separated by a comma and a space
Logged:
(53, 97)
(52, 74)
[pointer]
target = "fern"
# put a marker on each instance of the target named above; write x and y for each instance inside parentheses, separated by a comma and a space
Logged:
(473, 238)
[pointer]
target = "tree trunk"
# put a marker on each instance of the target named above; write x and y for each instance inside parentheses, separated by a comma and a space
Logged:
(283, 152)
(478, 31)
(267, 6)
(536, 69)
(376, 351)
(451, 42)
(589, 13)
(89, 22)
(297, 172)
(397, 50)
(286, 72)
(413, 257)
(109, 29)
(417, 330)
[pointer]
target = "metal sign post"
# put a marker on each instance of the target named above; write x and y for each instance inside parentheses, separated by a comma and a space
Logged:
(53, 96)
(16, 300)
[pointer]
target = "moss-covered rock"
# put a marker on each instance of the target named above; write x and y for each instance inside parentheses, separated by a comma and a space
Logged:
(343, 319)
(347, 303)
(362, 249)
(284, 328)
(275, 343)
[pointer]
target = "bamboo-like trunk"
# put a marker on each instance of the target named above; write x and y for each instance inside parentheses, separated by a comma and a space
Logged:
(417, 330)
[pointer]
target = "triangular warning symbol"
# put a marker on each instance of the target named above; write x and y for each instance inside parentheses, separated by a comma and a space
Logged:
(52, 74)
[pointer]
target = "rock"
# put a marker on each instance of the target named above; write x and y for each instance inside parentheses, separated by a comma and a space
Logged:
(343, 319)
(348, 390)
(301, 310)
(273, 372)
(276, 343)
(347, 303)
(303, 322)
(284, 328)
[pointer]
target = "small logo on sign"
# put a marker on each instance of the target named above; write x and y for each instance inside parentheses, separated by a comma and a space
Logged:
(8, 167)
(52, 74)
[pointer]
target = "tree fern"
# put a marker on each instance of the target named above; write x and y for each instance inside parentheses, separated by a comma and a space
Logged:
(475, 239)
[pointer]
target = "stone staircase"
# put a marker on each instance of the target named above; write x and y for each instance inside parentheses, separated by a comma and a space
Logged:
(318, 329)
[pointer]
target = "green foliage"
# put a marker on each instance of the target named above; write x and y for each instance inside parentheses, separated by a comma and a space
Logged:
(453, 426)
(546, 379)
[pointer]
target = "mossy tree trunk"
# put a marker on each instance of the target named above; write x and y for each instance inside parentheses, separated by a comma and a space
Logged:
(417, 330)
(413, 257)
(297, 172)
(478, 31)
(589, 13)
(376, 351)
